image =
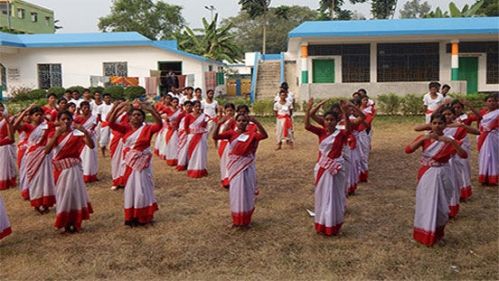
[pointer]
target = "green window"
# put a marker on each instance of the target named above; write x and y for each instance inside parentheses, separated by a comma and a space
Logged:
(323, 71)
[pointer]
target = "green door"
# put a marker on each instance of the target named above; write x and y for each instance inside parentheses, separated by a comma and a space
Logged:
(323, 71)
(468, 71)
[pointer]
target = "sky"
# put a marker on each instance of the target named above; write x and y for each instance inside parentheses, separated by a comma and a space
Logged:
(78, 16)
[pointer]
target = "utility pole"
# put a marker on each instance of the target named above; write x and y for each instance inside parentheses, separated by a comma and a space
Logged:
(9, 21)
(333, 6)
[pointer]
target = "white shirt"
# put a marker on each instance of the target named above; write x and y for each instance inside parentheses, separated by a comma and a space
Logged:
(433, 104)
(210, 109)
(283, 109)
(290, 98)
(103, 110)
(76, 102)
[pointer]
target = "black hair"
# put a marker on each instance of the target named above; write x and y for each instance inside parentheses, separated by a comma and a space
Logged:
(71, 104)
(35, 110)
(240, 114)
(189, 88)
(196, 102)
(230, 105)
(65, 112)
(175, 99)
(434, 84)
(68, 91)
(437, 115)
(86, 90)
(84, 103)
(241, 106)
(356, 93)
(187, 102)
(2, 106)
(447, 108)
(210, 90)
(106, 94)
(357, 101)
(492, 96)
(285, 86)
(139, 110)
(197, 89)
(362, 91)
(61, 99)
(51, 95)
(335, 115)
(445, 86)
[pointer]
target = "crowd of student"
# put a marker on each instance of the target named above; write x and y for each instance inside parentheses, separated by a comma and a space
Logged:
(58, 144)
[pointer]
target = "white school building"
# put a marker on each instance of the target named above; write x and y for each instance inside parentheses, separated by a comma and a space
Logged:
(50, 60)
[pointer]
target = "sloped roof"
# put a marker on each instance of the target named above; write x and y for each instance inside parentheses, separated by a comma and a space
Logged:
(397, 27)
(105, 39)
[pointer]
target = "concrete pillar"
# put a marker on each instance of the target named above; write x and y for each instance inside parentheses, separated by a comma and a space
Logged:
(304, 64)
(374, 63)
(455, 60)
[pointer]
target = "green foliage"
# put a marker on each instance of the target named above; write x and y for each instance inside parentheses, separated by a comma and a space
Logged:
(490, 8)
(415, 9)
(389, 103)
(153, 19)
(255, 8)
(455, 12)
(99, 89)
(116, 92)
(383, 9)
(412, 105)
(26, 94)
(217, 43)
(249, 30)
(58, 91)
(134, 92)
(79, 89)
(331, 10)
(477, 100)
(263, 107)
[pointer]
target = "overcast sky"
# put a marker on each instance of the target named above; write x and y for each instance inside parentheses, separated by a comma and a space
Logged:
(78, 16)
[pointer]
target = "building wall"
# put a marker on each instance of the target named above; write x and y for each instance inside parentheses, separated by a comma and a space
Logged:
(373, 89)
(79, 63)
(26, 25)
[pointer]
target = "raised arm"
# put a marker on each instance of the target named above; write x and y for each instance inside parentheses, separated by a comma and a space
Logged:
(422, 127)
(417, 143)
(216, 133)
(117, 109)
(260, 128)
(460, 151)
(88, 138)
(51, 141)
(313, 113)
(155, 114)
(19, 119)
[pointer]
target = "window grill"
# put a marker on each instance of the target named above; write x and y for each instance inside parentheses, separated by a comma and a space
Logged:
(49, 75)
(408, 62)
(355, 59)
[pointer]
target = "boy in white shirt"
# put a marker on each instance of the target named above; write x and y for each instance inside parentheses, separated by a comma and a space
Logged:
(210, 109)
(105, 132)
(432, 100)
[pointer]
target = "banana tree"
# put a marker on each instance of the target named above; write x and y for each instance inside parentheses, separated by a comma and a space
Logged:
(211, 41)
(455, 12)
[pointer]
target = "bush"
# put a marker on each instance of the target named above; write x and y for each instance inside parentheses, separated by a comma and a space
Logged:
(390, 103)
(476, 100)
(263, 107)
(26, 94)
(96, 89)
(412, 105)
(116, 92)
(134, 92)
(58, 91)
(79, 89)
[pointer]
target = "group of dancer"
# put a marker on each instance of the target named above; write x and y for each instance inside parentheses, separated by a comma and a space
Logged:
(444, 179)
(58, 144)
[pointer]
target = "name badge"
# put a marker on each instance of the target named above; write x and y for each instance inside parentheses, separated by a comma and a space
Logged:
(78, 133)
(243, 138)
(44, 126)
(463, 117)
(340, 127)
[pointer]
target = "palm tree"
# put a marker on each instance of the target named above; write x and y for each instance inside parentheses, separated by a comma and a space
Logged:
(211, 41)
(256, 8)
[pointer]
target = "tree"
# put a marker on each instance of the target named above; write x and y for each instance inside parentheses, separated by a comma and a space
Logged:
(154, 20)
(56, 26)
(331, 9)
(455, 12)
(258, 8)
(383, 9)
(415, 9)
(490, 8)
(249, 31)
(211, 41)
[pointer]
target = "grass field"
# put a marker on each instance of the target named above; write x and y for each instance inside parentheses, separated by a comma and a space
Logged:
(192, 237)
